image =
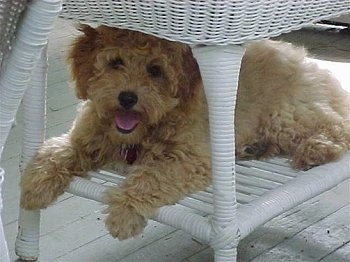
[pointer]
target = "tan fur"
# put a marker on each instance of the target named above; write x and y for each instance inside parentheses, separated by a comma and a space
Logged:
(285, 106)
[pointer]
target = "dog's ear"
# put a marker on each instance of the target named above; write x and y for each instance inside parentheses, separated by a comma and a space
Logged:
(81, 58)
(190, 74)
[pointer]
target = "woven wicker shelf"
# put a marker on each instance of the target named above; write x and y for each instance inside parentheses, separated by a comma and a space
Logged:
(260, 185)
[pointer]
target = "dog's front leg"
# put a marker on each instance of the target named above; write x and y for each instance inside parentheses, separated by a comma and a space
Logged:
(52, 169)
(48, 173)
(152, 185)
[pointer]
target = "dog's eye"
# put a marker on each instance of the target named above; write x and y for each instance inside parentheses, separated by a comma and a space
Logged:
(116, 63)
(154, 71)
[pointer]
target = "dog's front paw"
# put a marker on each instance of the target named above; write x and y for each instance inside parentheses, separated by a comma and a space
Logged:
(124, 222)
(40, 188)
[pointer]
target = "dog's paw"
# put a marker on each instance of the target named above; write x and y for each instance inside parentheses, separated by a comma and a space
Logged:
(315, 151)
(39, 189)
(299, 163)
(124, 222)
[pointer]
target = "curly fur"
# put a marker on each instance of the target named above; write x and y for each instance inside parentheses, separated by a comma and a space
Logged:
(285, 106)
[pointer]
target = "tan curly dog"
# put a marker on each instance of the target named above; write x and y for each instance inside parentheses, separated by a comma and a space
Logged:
(145, 114)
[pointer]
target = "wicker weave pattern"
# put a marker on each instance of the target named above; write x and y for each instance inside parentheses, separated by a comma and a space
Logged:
(9, 16)
(206, 22)
(23, 76)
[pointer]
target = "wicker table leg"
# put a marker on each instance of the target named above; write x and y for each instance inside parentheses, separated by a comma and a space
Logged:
(220, 67)
(4, 255)
(20, 69)
(34, 105)
(27, 241)
(31, 35)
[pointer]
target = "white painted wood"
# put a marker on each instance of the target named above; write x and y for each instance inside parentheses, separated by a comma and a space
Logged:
(206, 255)
(294, 221)
(313, 243)
(108, 249)
(340, 255)
(166, 249)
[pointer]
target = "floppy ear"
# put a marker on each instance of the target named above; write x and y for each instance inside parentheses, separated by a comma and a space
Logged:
(81, 58)
(190, 75)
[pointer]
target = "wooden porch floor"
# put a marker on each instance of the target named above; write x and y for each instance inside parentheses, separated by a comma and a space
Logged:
(73, 228)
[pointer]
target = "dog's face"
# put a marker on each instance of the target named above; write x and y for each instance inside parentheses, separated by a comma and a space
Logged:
(132, 79)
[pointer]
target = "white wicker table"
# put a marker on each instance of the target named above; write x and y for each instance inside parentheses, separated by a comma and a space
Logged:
(243, 195)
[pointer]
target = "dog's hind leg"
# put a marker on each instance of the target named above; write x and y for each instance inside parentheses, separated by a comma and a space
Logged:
(318, 149)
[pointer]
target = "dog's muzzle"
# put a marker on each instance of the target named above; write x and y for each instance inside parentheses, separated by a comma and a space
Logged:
(126, 119)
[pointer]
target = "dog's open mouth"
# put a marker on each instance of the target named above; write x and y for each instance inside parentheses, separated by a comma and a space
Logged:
(127, 121)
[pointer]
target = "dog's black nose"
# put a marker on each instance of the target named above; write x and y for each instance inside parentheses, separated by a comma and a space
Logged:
(127, 99)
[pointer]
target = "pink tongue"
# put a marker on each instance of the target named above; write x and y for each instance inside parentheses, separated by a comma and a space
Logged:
(127, 120)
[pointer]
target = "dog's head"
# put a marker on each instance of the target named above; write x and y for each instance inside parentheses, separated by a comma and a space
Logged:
(132, 79)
